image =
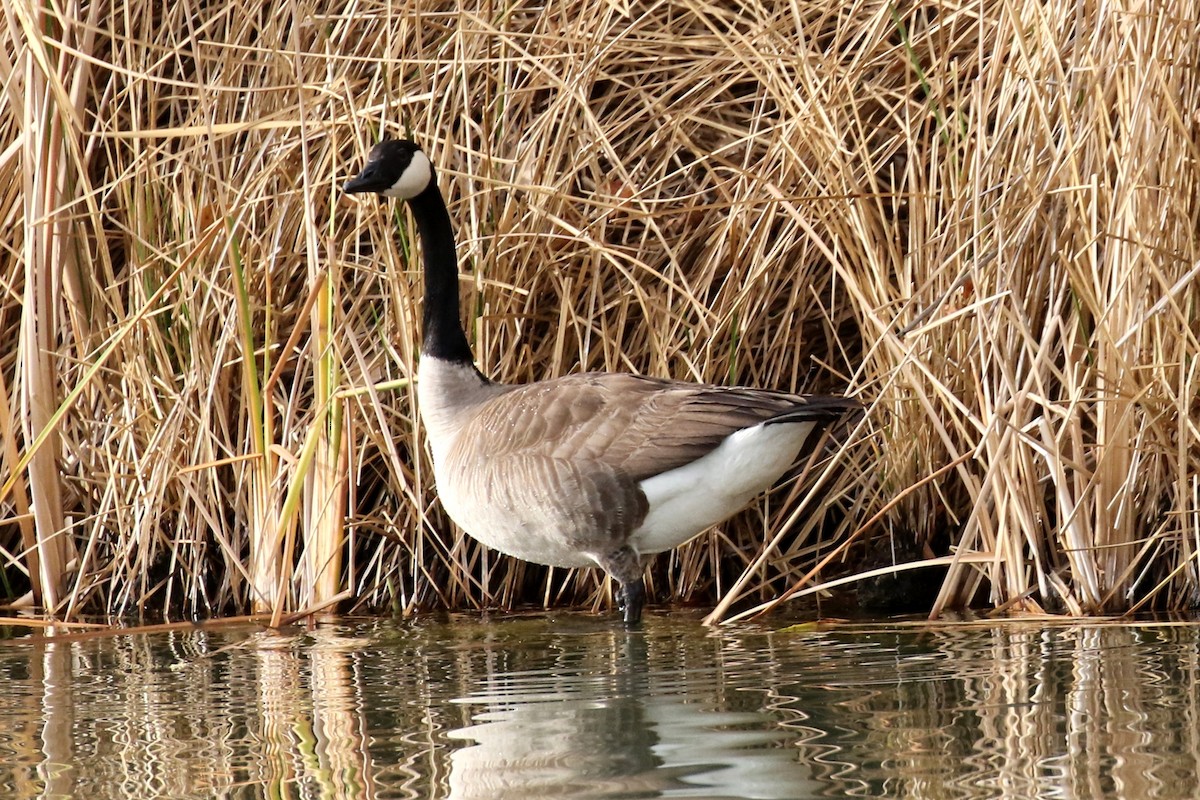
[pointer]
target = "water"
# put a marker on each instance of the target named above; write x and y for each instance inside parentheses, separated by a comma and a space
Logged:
(573, 706)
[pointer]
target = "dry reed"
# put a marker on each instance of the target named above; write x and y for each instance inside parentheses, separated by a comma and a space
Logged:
(982, 217)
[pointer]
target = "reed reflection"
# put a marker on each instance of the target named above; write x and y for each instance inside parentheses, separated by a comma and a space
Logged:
(1005, 711)
(569, 707)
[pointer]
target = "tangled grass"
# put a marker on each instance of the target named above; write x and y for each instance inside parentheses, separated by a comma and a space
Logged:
(980, 217)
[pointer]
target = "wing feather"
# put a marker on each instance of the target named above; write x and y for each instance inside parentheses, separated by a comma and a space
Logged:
(638, 426)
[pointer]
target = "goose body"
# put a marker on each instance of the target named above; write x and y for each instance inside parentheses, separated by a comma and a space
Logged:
(595, 469)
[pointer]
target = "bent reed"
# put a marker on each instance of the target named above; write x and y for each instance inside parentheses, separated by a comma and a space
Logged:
(981, 219)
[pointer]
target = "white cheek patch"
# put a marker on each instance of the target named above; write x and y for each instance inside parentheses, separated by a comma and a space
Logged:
(413, 180)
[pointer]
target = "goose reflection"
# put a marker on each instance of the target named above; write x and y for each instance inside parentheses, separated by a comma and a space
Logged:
(625, 731)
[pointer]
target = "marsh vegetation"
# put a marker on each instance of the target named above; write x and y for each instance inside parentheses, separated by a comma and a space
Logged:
(981, 218)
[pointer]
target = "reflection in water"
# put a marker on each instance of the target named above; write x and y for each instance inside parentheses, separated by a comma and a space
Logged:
(574, 707)
(624, 728)
(539, 736)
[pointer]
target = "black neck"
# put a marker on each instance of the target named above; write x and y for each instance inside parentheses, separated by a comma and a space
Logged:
(443, 335)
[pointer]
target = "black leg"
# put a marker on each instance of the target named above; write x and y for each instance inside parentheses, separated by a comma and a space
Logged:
(625, 567)
(633, 597)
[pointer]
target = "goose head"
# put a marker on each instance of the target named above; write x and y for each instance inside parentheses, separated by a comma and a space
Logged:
(395, 168)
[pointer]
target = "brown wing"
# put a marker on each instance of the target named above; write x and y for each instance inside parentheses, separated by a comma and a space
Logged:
(638, 426)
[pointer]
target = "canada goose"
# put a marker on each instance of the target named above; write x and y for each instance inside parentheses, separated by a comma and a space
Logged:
(597, 469)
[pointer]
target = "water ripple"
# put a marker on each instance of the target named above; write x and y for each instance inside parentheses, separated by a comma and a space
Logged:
(575, 707)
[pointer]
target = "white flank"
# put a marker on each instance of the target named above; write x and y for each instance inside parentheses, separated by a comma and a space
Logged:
(692, 498)
(413, 180)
